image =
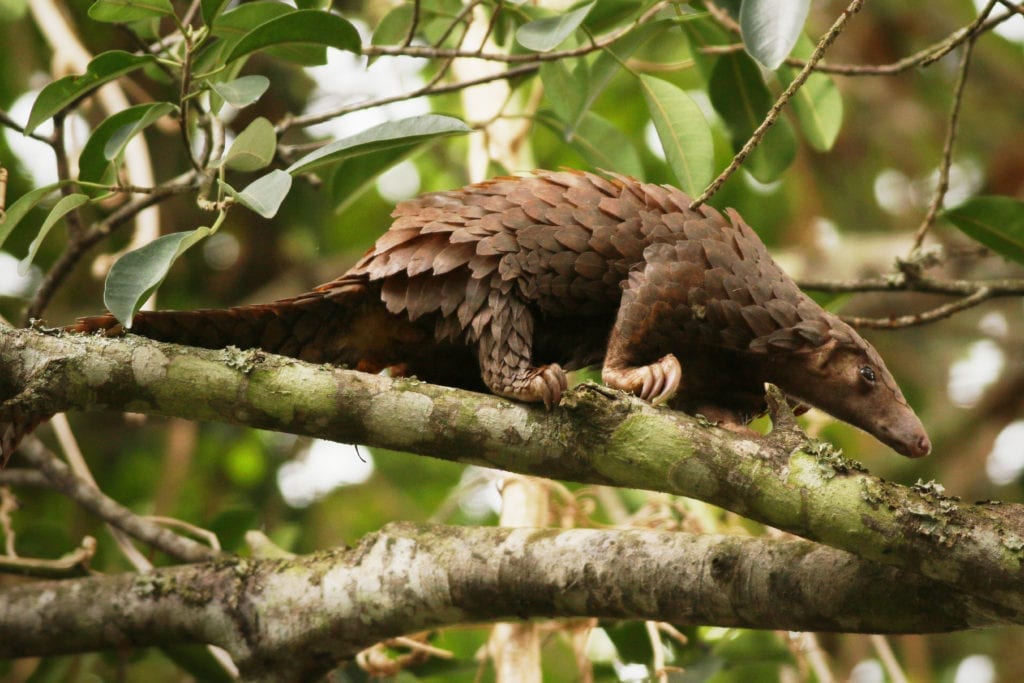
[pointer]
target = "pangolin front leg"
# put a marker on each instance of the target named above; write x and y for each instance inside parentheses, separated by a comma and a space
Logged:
(505, 348)
(644, 315)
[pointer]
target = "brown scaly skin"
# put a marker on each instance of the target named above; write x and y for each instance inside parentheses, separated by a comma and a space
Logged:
(505, 283)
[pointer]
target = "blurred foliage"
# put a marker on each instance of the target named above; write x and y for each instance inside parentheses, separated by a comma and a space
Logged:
(871, 182)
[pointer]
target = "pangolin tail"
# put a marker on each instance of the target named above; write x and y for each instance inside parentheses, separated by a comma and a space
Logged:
(320, 326)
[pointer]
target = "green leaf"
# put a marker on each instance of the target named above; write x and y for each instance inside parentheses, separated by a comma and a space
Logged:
(254, 147)
(110, 138)
(393, 29)
(299, 27)
(211, 10)
(387, 135)
(602, 144)
(243, 91)
(566, 91)
(60, 94)
(771, 28)
(148, 115)
(683, 131)
(996, 222)
(548, 33)
(138, 273)
(265, 194)
(125, 11)
(608, 63)
(818, 106)
(59, 210)
(739, 95)
(19, 209)
(355, 175)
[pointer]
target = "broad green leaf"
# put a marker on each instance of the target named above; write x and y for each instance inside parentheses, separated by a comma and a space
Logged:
(243, 91)
(683, 131)
(548, 33)
(235, 24)
(355, 175)
(265, 194)
(608, 64)
(387, 135)
(19, 209)
(565, 91)
(818, 106)
(59, 210)
(996, 222)
(771, 28)
(138, 273)
(299, 27)
(605, 146)
(254, 147)
(211, 10)
(58, 95)
(110, 138)
(393, 29)
(150, 114)
(739, 95)
(125, 11)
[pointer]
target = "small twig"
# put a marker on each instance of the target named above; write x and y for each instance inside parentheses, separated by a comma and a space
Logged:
(6, 120)
(889, 662)
(938, 313)
(23, 476)
(8, 504)
(781, 102)
(899, 283)
(74, 563)
(951, 131)
(110, 511)
(658, 660)
(415, 23)
(73, 219)
(3, 193)
(312, 119)
(199, 532)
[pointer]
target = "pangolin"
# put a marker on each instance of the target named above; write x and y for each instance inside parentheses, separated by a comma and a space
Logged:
(507, 283)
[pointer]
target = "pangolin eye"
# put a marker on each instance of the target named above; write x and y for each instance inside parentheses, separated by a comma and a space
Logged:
(867, 373)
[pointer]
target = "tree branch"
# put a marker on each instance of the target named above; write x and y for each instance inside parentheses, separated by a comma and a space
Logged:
(595, 436)
(295, 618)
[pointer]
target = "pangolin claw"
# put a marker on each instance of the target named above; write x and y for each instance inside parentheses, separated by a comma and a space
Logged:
(656, 382)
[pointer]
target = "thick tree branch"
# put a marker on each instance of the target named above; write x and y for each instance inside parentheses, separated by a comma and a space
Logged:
(295, 618)
(594, 436)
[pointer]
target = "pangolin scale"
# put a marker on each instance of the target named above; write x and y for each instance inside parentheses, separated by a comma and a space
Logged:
(505, 284)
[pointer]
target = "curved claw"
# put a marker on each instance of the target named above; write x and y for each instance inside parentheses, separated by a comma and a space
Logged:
(656, 382)
(552, 384)
(546, 383)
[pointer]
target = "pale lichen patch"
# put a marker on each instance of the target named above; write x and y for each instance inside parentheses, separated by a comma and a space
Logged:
(402, 415)
(149, 365)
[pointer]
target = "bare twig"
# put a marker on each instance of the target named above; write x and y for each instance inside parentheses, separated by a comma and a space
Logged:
(784, 98)
(23, 476)
(899, 283)
(889, 662)
(951, 131)
(74, 563)
(921, 58)
(94, 500)
(311, 119)
(938, 313)
(6, 120)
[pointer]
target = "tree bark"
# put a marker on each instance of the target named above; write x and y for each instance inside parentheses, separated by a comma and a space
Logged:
(296, 618)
